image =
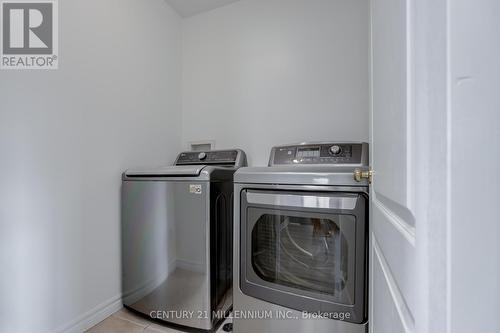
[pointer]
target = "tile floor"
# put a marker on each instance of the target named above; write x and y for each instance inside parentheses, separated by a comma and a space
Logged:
(125, 321)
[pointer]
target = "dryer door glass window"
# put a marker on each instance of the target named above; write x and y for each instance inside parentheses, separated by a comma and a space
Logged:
(307, 252)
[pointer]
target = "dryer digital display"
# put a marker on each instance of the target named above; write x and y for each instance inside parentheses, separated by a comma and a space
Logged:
(308, 152)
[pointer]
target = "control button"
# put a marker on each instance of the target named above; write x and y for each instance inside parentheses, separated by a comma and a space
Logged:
(335, 150)
(202, 156)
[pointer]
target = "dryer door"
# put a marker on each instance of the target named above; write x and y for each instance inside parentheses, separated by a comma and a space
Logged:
(305, 251)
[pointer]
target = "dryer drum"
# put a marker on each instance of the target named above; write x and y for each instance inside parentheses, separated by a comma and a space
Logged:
(305, 253)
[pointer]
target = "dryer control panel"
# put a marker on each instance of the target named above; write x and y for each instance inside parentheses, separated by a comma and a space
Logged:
(320, 153)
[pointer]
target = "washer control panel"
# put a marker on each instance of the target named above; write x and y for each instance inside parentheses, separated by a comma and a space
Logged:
(218, 157)
(322, 153)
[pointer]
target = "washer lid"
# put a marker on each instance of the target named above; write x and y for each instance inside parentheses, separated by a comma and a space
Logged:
(168, 171)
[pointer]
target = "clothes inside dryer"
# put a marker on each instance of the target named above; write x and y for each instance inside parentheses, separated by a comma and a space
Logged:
(306, 253)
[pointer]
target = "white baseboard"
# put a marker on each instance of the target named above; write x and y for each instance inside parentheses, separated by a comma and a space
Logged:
(93, 316)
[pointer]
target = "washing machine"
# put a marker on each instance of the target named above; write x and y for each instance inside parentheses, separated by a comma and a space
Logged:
(301, 240)
(177, 239)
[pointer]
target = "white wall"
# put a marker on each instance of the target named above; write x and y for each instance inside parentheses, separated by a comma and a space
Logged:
(65, 138)
(263, 72)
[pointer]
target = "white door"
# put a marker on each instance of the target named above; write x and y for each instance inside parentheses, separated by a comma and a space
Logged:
(392, 235)
(434, 246)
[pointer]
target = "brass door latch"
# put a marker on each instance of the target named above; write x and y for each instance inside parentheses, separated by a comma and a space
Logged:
(360, 175)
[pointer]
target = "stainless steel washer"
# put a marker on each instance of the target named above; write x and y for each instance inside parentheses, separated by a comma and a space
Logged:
(300, 254)
(177, 238)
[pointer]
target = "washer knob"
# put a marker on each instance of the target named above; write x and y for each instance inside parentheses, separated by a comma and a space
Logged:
(335, 150)
(202, 156)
